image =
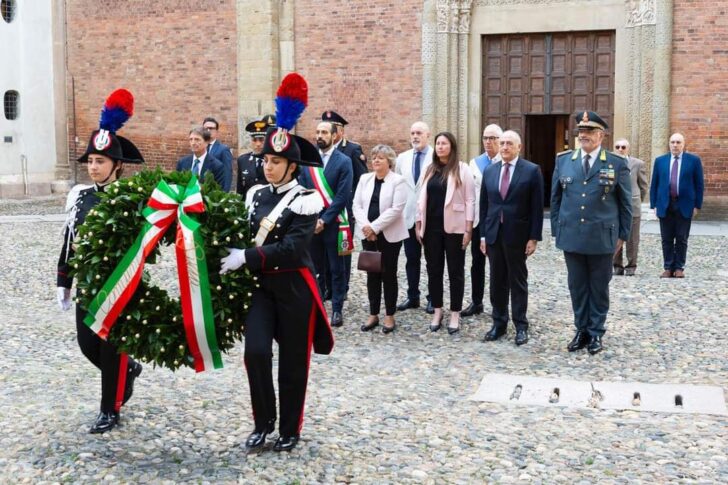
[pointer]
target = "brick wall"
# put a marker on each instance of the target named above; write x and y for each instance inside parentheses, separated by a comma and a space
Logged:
(178, 60)
(699, 104)
(362, 59)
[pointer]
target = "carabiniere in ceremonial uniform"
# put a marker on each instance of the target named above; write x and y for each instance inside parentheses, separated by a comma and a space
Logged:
(286, 305)
(591, 215)
(104, 156)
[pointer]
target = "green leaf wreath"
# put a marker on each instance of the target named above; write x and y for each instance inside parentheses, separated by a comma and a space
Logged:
(150, 327)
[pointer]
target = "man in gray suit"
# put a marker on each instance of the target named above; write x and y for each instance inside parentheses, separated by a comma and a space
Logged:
(591, 215)
(638, 177)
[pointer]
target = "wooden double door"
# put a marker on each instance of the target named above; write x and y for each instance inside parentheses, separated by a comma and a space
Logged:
(534, 83)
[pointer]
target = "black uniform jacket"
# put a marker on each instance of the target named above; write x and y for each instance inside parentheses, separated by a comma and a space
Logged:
(248, 173)
(81, 200)
(285, 254)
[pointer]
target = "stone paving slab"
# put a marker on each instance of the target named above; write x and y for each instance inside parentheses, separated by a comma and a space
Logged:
(636, 396)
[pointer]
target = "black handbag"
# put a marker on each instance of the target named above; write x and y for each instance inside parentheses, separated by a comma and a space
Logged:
(370, 261)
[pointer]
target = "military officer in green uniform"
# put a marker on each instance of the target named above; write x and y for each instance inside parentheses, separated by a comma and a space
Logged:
(591, 216)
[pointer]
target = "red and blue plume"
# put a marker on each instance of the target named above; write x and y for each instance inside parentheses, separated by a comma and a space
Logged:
(291, 100)
(118, 108)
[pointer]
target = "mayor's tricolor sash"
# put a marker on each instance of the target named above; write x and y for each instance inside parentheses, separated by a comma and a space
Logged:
(345, 241)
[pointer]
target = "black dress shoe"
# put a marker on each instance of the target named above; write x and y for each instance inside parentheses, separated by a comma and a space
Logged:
(579, 341)
(494, 334)
(618, 271)
(430, 310)
(132, 373)
(434, 327)
(471, 310)
(336, 319)
(407, 304)
(595, 345)
(256, 439)
(104, 422)
(285, 443)
(521, 336)
(369, 326)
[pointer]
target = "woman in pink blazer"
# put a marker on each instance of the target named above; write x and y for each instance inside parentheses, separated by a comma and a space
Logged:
(379, 212)
(445, 211)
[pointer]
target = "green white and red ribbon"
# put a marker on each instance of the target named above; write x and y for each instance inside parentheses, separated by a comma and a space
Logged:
(345, 240)
(167, 204)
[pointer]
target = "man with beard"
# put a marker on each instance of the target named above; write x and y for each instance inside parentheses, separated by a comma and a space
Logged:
(332, 236)
(412, 165)
(250, 165)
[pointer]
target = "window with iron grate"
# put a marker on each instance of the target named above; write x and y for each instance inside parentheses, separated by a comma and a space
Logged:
(11, 102)
(7, 9)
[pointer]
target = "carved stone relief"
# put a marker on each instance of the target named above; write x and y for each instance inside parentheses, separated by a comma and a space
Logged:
(640, 12)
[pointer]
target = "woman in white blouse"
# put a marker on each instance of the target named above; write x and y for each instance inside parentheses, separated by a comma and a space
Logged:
(378, 210)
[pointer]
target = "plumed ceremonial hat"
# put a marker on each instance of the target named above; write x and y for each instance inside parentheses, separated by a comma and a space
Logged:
(118, 108)
(291, 101)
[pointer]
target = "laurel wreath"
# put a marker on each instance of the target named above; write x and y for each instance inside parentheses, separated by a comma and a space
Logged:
(150, 327)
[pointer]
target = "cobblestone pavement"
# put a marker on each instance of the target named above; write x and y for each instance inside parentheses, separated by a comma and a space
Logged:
(382, 408)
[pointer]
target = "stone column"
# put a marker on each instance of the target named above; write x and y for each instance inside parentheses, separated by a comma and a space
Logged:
(463, 107)
(265, 54)
(662, 17)
(63, 176)
(442, 81)
(429, 57)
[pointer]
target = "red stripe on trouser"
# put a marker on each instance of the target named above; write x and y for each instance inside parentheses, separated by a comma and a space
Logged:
(309, 344)
(121, 381)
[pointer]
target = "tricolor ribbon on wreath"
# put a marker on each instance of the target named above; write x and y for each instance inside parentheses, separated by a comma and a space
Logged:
(167, 204)
(345, 241)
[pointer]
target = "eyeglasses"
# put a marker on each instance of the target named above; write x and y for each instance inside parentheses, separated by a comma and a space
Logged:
(490, 138)
(620, 147)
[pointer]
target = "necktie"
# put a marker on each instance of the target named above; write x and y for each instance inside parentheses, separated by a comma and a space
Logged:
(586, 165)
(196, 167)
(416, 167)
(673, 179)
(505, 180)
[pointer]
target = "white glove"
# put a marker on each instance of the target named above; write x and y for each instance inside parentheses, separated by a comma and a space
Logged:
(234, 260)
(63, 295)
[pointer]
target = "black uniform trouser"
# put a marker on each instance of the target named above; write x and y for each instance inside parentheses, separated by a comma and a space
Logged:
(281, 309)
(508, 277)
(674, 231)
(109, 361)
(477, 269)
(589, 276)
(441, 247)
(325, 254)
(413, 253)
(387, 278)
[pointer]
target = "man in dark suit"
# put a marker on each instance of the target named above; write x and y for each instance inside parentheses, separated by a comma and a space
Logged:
(332, 239)
(200, 162)
(676, 194)
(511, 222)
(250, 165)
(591, 216)
(359, 167)
(219, 150)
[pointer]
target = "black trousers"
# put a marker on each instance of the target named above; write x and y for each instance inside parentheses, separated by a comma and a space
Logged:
(387, 278)
(281, 309)
(508, 277)
(108, 360)
(589, 276)
(326, 257)
(674, 231)
(413, 253)
(441, 247)
(477, 268)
